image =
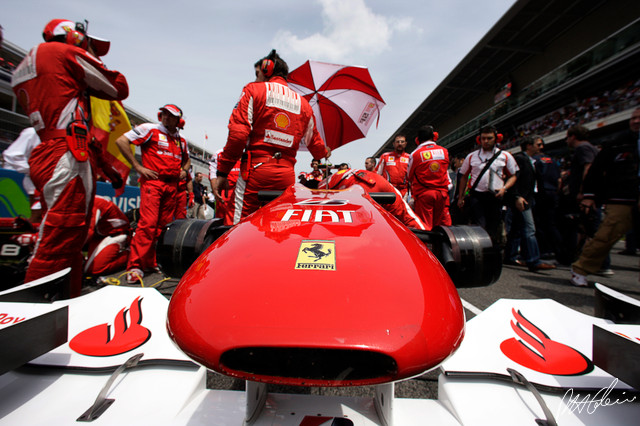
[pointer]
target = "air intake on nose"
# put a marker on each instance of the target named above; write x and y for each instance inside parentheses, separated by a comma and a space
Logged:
(339, 365)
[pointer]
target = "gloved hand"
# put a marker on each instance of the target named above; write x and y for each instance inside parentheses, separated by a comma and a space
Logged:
(116, 181)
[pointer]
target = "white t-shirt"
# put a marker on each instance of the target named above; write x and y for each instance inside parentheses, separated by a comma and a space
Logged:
(16, 157)
(492, 180)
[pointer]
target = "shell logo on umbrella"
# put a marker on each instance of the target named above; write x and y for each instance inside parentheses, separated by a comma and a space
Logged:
(344, 99)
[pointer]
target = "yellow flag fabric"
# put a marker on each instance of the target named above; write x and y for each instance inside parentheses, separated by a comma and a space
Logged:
(110, 121)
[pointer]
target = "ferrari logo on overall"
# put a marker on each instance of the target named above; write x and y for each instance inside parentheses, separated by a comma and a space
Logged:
(317, 254)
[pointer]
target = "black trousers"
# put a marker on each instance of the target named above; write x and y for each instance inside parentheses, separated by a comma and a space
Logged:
(485, 210)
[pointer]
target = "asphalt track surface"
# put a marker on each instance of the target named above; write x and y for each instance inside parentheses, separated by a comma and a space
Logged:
(515, 283)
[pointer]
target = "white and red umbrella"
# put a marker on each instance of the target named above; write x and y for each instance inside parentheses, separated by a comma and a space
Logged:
(344, 99)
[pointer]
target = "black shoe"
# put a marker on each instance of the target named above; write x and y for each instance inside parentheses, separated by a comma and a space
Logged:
(542, 267)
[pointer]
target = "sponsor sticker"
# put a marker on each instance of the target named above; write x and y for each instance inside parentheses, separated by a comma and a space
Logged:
(318, 215)
(432, 154)
(282, 97)
(162, 137)
(125, 334)
(282, 121)
(317, 255)
(534, 349)
(367, 113)
(278, 138)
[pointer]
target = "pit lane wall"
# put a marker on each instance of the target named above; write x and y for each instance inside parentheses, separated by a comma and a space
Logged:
(14, 200)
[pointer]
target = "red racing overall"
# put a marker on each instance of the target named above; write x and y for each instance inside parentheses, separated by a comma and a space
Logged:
(164, 153)
(265, 130)
(429, 178)
(394, 168)
(108, 239)
(51, 84)
(182, 198)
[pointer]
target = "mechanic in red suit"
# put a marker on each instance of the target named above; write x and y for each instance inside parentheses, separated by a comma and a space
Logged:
(165, 161)
(53, 84)
(428, 176)
(373, 182)
(265, 130)
(393, 165)
(108, 239)
(225, 208)
(184, 198)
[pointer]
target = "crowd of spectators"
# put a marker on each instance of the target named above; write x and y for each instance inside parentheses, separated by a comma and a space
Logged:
(580, 112)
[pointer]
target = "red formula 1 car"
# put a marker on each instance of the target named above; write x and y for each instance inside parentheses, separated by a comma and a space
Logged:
(318, 288)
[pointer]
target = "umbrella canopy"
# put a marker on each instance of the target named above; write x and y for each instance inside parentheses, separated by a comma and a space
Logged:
(344, 99)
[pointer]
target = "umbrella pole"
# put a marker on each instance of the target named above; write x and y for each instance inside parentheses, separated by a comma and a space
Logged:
(326, 169)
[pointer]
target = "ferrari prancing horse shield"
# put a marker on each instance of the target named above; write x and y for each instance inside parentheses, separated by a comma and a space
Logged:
(317, 254)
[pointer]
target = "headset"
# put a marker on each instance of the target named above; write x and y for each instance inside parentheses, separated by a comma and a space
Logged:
(181, 122)
(434, 138)
(268, 66)
(499, 137)
(75, 37)
(424, 132)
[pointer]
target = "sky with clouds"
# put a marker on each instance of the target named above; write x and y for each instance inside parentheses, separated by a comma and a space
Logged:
(199, 54)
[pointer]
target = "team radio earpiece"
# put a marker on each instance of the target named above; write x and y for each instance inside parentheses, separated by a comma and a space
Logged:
(499, 138)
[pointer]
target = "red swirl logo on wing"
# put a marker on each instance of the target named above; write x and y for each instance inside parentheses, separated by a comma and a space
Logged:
(535, 350)
(101, 340)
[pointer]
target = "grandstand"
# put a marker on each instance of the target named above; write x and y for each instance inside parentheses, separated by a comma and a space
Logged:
(13, 119)
(544, 66)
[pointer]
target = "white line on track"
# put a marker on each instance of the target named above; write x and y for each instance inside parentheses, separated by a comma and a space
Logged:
(469, 306)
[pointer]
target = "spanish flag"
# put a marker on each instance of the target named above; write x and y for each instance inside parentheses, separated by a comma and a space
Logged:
(110, 121)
